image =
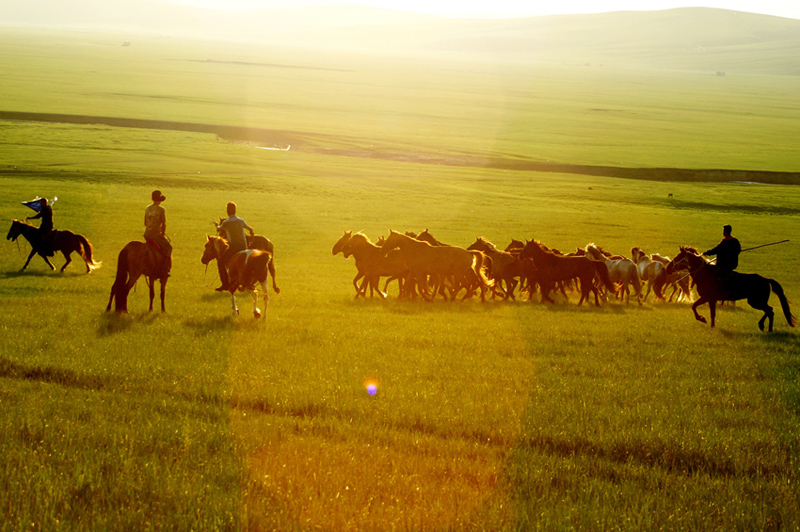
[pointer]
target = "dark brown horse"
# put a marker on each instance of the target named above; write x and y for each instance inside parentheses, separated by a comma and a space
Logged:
(66, 242)
(136, 259)
(245, 269)
(552, 268)
(713, 287)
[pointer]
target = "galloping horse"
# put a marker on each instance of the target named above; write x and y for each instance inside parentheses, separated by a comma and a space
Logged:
(245, 269)
(424, 259)
(620, 270)
(504, 266)
(136, 259)
(552, 268)
(651, 271)
(66, 242)
(374, 265)
(711, 288)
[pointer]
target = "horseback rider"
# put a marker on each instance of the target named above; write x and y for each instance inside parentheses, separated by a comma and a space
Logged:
(45, 231)
(237, 241)
(155, 223)
(727, 252)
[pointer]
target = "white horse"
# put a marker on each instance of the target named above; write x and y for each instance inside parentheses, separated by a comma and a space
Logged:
(651, 271)
(679, 280)
(621, 270)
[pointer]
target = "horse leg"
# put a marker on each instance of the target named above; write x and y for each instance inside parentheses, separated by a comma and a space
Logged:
(163, 293)
(696, 304)
(152, 286)
(764, 307)
(712, 306)
(233, 304)
(33, 252)
(256, 312)
(68, 256)
(358, 276)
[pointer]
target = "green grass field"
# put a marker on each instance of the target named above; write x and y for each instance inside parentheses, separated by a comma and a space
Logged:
(492, 416)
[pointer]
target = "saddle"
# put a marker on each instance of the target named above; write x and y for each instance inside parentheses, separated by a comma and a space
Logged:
(163, 265)
(47, 243)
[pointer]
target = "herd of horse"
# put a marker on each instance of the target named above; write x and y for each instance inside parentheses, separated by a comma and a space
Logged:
(427, 268)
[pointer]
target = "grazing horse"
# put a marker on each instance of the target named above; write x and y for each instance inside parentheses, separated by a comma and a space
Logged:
(66, 242)
(712, 288)
(651, 271)
(424, 259)
(552, 268)
(621, 270)
(136, 259)
(504, 266)
(245, 269)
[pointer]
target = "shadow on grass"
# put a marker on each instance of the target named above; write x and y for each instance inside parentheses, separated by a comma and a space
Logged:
(112, 322)
(61, 376)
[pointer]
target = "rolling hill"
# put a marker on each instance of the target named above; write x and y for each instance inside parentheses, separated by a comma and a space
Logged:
(682, 39)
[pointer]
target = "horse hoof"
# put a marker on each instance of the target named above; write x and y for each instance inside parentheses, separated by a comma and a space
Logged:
(256, 313)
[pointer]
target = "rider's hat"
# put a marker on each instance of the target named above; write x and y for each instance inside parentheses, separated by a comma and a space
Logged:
(157, 196)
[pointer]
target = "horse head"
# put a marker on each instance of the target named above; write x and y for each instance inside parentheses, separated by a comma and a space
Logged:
(213, 249)
(337, 247)
(14, 231)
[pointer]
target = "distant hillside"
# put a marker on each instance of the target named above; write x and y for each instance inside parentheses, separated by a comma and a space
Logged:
(687, 38)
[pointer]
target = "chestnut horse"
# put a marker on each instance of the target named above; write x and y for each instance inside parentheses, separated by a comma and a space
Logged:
(552, 268)
(425, 260)
(66, 242)
(374, 265)
(713, 287)
(245, 269)
(504, 266)
(136, 259)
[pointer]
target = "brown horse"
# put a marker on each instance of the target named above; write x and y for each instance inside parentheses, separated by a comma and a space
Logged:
(374, 265)
(504, 266)
(424, 259)
(552, 268)
(136, 259)
(713, 287)
(245, 269)
(66, 242)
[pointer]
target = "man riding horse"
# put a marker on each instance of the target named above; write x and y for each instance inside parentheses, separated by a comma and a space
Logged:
(234, 228)
(727, 252)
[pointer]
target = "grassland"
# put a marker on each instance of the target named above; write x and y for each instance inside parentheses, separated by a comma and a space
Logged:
(488, 416)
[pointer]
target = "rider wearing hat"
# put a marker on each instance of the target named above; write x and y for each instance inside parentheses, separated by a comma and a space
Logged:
(155, 223)
(46, 227)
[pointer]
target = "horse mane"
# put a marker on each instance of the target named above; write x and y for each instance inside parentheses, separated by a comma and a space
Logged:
(360, 236)
(486, 243)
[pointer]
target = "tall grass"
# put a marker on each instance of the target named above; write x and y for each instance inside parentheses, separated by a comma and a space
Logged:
(493, 416)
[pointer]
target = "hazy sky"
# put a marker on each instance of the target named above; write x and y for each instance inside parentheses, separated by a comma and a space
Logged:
(782, 8)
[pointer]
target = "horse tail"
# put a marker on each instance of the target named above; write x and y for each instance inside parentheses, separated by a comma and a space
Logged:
(480, 271)
(602, 271)
(271, 268)
(120, 288)
(86, 251)
(636, 281)
(778, 289)
(659, 282)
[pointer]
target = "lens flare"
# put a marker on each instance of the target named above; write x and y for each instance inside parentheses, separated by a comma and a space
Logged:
(371, 384)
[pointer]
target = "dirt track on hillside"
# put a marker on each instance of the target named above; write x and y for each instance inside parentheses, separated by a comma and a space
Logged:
(318, 143)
